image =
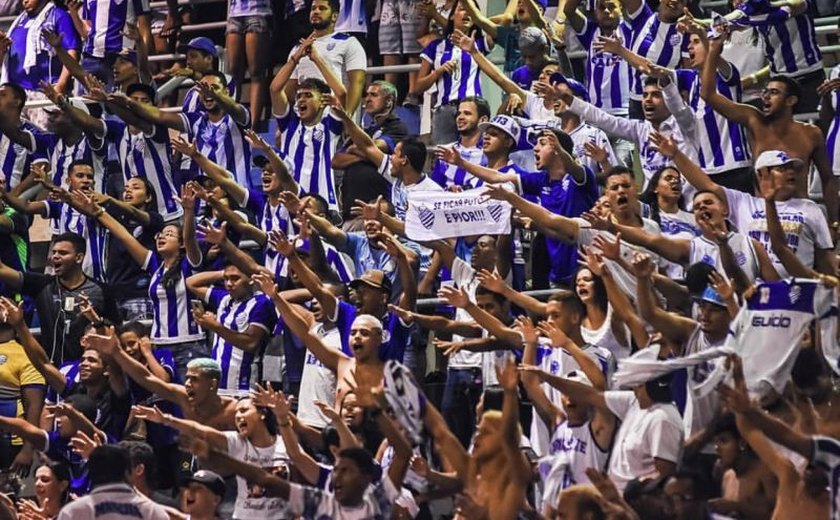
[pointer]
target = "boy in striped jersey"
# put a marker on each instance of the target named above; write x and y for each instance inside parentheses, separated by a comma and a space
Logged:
(241, 324)
(17, 142)
(774, 128)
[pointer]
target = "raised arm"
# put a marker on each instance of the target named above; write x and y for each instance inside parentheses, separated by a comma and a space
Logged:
(573, 15)
(467, 44)
(187, 200)
(550, 413)
(92, 127)
(216, 172)
(308, 278)
(578, 391)
(675, 327)
(460, 299)
(332, 81)
(691, 171)
(136, 250)
(564, 228)
(438, 323)
(738, 112)
(494, 282)
(214, 438)
(517, 463)
(71, 63)
(778, 242)
(26, 431)
(819, 157)
(487, 26)
(34, 351)
(279, 99)
(331, 358)
(332, 233)
(449, 154)
(675, 250)
(364, 143)
(278, 165)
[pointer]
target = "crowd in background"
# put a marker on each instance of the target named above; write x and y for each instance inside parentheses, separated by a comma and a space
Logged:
(239, 283)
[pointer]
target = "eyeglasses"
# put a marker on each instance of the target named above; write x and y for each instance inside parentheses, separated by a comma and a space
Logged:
(168, 234)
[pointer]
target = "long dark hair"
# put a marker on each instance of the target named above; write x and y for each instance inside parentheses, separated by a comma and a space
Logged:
(268, 417)
(150, 192)
(173, 274)
(601, 298)
(649, 196)
(475, 31)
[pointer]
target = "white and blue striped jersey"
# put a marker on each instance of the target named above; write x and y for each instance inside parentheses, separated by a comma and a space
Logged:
(16, 159)
(172, 320)
(257, 310)
(721, 144)
(573, 449)
(832, 140)
(107, 20)
(826, 453)
(607, 75)
(655, 40)
(790, 43)
(311, 149)
(448, 175)
(679, 225)
(399, 190)
(62, 154)
(241, 8)
(352, 18)
(269, 218)
(65, 219)
(465, 80)
(223, 142)
(148, 156)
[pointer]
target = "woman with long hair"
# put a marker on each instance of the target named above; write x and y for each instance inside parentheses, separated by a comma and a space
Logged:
(175, 258)
(255, 440)
(601, 326)
(665, 198)
(52, 491)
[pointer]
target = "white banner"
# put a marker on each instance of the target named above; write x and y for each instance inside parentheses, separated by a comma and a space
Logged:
(433, 215)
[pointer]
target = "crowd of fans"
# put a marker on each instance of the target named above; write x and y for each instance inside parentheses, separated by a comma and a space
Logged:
(630, 311)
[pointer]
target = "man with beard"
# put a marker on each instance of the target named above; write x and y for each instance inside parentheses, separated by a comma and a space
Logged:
(472, 112)
(361, 180)
(342, 53)
(218, 130)
(773, 128)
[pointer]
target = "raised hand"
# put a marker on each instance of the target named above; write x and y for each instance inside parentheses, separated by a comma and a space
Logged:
(149, 413)
(390, 244)
(86, 309)
(664, 144)
(213, 235)
(335, 106)
(529, 331)
(84, 203)
(596, 221)
(592, 260)
(256, 142)
(281, 243)
(449, 348)
(456, 297)
(266, 283)
(721, 285)
(492, 280)
(497, 192)
(405, 315)
(53, 38)
(328, 411)
(187, 199)
(596, 153)
(610, 249)
(367, 210)
(10, 312)
(462, 41)
(643, 266)
(557, 337)
(608, 44)
(184, 147)
(93, 83)
(828, 87)
(84, 445)
(51, 93)
(448, 154)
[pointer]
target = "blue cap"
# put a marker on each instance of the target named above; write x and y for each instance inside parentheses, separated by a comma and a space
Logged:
(543, 4)
(128, 55)
(577, 88)
(200, 43)
(711, 296)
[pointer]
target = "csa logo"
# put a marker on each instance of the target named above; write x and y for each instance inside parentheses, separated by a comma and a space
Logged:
(427, 217)
(495, 211)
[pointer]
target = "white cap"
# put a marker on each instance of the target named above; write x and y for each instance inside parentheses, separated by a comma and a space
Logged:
(504, 123)
(772, 158)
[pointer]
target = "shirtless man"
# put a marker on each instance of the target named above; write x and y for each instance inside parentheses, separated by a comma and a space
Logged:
(198, 397)
(365, 369)
(775, 129)
(802, 495)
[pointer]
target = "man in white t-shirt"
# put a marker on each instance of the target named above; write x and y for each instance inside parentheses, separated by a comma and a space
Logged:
(342, 52)
(806, 229)
(650, 439)
(112, 498)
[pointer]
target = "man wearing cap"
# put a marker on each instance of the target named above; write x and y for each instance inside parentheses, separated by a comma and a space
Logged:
(142, 147)
(204, 491)
(130, 67)
(201, 57)
(64, 141)
(27, 59)
(806, 230)
(533, 51)
(472, 112)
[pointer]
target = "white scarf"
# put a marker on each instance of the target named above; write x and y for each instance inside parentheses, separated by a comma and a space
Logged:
(35, 43)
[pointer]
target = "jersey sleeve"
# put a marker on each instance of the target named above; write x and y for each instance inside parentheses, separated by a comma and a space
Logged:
(188, 119)
(64, 26)
(306, 501)
(263, 314)
(214, 297)
(428, 53)
(587, 34)
(532, 183)
(462, 273)
(822, 234)
(619, 402)
(29, 375)
(666, 438)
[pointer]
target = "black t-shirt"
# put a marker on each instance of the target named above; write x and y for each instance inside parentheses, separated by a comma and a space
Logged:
(125, 277)
(62, 325)
(362, 180)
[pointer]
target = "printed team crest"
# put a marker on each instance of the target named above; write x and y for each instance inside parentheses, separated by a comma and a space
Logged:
(331, 46)
(795, 293)
(495, 211)
(427, 217)
(741, 258)
(708, 260)
(675, 39)
(554, 367)
(317, 134)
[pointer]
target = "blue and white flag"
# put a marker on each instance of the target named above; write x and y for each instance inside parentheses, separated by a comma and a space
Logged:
(433, 215)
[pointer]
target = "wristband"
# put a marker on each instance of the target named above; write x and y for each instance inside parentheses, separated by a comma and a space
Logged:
(99, 212)
(284, 424)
